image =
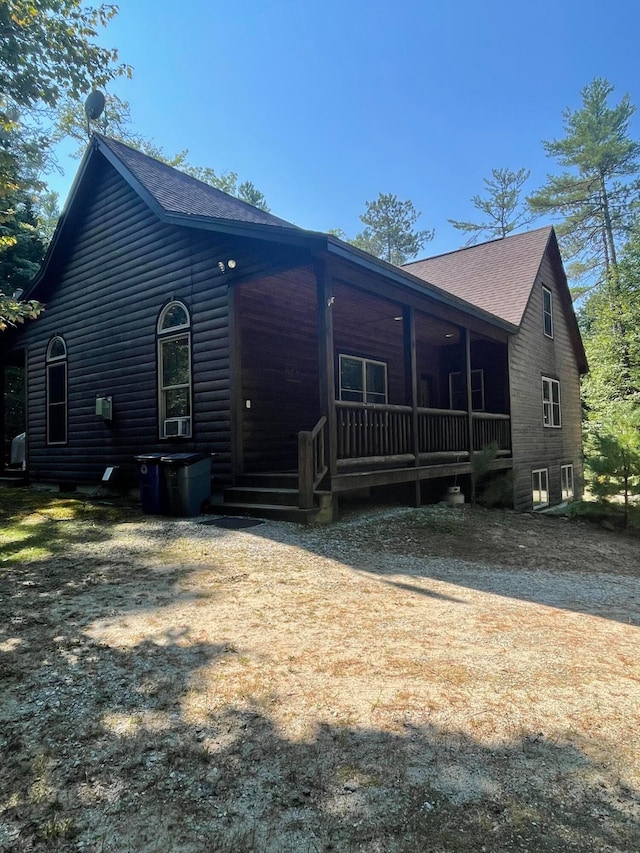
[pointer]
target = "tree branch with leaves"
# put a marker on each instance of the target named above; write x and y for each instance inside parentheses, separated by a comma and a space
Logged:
(48, 51)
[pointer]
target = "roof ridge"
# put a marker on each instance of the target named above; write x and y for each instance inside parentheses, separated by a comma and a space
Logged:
(478, 245)
(115, 144)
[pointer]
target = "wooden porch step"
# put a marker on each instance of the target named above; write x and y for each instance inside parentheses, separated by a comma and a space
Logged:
(270, 480)
(13, 479)
(261, 495)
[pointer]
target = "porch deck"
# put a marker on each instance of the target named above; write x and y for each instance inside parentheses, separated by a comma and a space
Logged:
(380, 444)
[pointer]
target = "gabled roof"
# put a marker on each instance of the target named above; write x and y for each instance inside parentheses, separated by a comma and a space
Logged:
(175, 192)
(492, 281)
(497, 276)
(179, 199)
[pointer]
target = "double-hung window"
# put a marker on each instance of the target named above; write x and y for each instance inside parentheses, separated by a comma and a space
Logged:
(566, 482)
(551, 415)
(458, 395)
(547, 311)
(363, 380)
(174, 371)
(540, 487)
(57, 391)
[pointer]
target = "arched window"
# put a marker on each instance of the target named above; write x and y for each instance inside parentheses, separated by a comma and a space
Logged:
(57, 391)
(174, 371)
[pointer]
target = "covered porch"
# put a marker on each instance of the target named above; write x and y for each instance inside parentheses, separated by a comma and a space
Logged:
(349, 388)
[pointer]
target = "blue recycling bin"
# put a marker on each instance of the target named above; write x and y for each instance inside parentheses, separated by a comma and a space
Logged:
(152, 483)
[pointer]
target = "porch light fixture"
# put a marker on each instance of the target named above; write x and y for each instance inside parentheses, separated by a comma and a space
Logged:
(449, 334)
(231, 264)
(397, 318)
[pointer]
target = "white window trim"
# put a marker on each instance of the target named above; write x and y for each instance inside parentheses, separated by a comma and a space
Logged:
(566, 474)
(179, 332)
(55, 361)
(363, 362)
(173, 329)
(546, 313)
(540, 504)
(548, 404)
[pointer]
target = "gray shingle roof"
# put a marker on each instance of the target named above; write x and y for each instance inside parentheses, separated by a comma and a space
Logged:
(176, 192)
(497, 276)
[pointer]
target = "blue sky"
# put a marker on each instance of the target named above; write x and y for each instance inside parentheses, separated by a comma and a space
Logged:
(325, 104)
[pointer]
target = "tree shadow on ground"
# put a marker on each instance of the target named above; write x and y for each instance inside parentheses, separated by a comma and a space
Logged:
(34, 526)
(410, 547)
(101, 752)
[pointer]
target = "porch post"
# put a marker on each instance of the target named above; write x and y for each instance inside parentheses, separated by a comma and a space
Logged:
(411, 385)
(467, 342)
(326, 361)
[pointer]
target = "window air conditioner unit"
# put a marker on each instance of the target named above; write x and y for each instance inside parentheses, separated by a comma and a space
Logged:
(177, 427)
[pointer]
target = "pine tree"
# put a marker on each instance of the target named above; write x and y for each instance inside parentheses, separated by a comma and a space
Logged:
(502, 206)
(595, 200)
(389, 233)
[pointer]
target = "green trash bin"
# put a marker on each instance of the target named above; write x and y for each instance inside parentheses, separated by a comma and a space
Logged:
(188, 479)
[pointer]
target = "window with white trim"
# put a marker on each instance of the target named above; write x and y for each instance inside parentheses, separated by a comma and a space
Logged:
(540, 487)
(57, 391)
(566, 482)
(547, 311)
(363, 380)
(174, 371)
(551, 415)
(457, 393)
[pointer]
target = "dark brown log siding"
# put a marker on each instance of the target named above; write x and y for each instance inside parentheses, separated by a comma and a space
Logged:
(120, 268)
(364, 326)
(277, 319)
(533, 355)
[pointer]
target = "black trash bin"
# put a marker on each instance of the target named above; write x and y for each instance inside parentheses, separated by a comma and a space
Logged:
(153, 486)
(188, 479)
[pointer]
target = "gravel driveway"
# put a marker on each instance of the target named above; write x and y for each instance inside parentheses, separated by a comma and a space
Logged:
(409, 680)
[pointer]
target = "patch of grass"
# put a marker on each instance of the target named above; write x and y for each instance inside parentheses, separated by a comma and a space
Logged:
(36, 525)
(602, 511)
(58, 828)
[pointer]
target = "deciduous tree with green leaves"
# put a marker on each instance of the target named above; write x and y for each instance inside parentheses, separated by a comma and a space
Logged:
(48, 50)
(502, 206)
(595, 199)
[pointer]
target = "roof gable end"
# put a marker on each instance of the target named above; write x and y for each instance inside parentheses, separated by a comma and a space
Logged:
(497, 276)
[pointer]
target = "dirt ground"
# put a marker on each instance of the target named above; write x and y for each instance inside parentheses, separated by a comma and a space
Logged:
(405, 680)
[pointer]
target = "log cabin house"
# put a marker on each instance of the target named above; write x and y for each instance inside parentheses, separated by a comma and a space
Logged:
(179, 318)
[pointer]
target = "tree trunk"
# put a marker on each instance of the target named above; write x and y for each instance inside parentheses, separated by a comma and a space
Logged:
(607, 222)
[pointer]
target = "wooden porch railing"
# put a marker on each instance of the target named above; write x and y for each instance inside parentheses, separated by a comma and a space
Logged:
(374, 431)
(442, 430)
(491, 429)
(312, 462)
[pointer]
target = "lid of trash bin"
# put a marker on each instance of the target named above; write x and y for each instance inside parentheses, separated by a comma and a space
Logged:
(178, 459)
(153, 458)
